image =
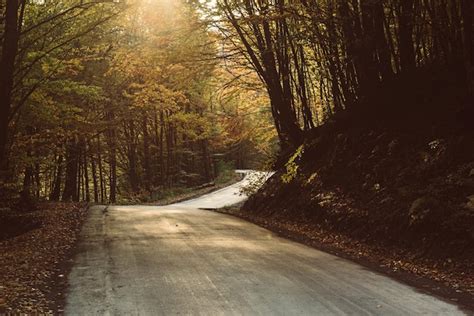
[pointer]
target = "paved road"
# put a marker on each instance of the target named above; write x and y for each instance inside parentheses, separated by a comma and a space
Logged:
(229, 195)
(144, 260)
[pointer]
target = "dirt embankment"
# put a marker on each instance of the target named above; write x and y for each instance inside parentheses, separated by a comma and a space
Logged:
(400, 202)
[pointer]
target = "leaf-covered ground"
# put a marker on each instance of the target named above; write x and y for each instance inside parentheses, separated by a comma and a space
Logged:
(34, 263)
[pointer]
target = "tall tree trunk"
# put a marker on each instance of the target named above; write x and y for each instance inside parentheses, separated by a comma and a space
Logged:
(11, 37)
(80, 187)
(146, 154)
(112, 144)
(71, 185)
(155, 154)
(368, 48)
(86, 173)
(103, 193)
(206, 161)
(113, 177)
(352, 57)
(162, 159)
(94, 177)
(270, 60)
(169, 155)
(407, 49)
(383, 51)
(56, 191)
(132, 156)
(27, 180)
(467, 8)
(37, 180)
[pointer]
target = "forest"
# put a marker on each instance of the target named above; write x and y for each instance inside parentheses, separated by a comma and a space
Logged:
(102, 99)
(367, 104)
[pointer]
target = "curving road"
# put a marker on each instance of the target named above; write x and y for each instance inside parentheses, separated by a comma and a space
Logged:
(229, 195)
(178, 259)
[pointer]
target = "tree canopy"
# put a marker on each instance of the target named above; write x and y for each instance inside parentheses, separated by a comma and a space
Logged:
(104, 100)
(108, 100)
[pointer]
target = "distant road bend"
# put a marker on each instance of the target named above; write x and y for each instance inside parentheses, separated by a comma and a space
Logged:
(181, 259)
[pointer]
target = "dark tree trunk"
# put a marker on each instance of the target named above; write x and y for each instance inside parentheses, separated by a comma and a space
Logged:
(71, 186)
(169, 155)
(37, 180)
(86, 174)
(270, 60)
(27, 180)
(112, 144)
(467, 8)
(7, 63)
(155, 154)
(352, 57)
(132, 157)
(383, 51)
(56, 191)
(94, 177)
(407, 49)
(103, 192)
(368, 48)
(79, 176)
(113, 177)
(162, 158)
(146, 154)
(206, 161)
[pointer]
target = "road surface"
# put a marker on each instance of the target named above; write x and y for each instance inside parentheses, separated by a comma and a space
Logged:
(227, 196)
(179, 259)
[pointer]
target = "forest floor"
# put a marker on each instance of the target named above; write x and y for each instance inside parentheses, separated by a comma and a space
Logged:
(36, 248)
(399, 204)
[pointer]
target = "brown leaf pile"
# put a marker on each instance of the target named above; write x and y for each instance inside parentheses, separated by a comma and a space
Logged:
(33, 265)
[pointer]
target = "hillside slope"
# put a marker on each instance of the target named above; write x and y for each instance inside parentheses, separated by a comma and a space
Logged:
(400, 201)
